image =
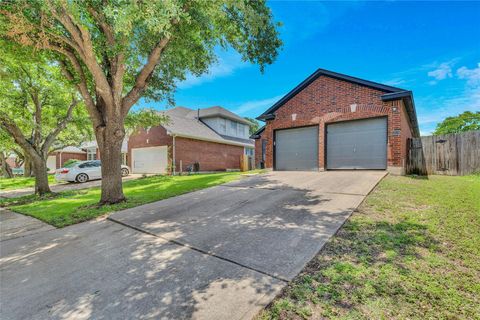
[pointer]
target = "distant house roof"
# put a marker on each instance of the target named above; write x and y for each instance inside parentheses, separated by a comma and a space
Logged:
(184, 122)
(391, 93)
(218, 112)
(93, 144)
(71, 149)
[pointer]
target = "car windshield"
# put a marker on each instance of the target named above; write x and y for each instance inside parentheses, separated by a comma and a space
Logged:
(71, 164)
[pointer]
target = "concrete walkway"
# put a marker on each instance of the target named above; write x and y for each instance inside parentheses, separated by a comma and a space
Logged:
(62, 187)
(218, 253)
(14, 225)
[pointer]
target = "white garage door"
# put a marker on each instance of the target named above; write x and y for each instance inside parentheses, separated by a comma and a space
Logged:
(149, 160)
(51, 163)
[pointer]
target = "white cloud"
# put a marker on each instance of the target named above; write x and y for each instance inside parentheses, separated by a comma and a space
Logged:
(228, 63)
(471, 75)
(432, 110)
(443, 71)
(259, 105)
(395, 82)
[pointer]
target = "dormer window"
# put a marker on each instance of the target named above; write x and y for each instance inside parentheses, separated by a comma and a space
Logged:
(223, 125)
(233, 126)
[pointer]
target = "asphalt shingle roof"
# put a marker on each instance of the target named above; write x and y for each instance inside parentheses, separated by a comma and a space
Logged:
(184, 122)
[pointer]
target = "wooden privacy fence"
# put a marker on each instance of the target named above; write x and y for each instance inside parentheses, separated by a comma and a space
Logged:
(450, 154)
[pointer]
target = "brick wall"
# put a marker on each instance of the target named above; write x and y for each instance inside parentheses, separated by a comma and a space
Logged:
(142, 138)
(62, 157)
(328, 100)
(211, 156)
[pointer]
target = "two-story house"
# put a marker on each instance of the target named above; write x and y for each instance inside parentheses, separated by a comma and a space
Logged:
(214, 138)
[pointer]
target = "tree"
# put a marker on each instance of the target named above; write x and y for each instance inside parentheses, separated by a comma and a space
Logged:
(466, 121)
(118, 51)
(36, 104)
(6, 145)
(255, 125)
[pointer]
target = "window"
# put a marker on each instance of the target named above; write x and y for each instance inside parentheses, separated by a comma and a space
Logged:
(240, 130)
(249, 152)
(222, 125)
(233, 127)
(92, 154)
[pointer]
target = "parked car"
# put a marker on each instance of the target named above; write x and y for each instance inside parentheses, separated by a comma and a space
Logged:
(83, 171)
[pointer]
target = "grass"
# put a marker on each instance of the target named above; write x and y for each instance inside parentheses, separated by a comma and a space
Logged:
(412, 251)
(71, 207)
(21, 182)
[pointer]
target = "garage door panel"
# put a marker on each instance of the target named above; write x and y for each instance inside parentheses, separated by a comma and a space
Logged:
(296, 149)
(359, 144)
(149, 160)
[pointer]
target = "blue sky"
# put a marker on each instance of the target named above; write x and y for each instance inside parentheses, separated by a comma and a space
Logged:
(431, 48)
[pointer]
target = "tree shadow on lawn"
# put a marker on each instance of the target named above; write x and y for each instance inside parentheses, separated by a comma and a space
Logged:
(365, 261)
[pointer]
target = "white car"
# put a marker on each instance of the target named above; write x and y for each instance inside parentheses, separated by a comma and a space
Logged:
(83, 171)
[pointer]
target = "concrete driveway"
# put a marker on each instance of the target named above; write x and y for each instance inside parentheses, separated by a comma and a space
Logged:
(218, 253)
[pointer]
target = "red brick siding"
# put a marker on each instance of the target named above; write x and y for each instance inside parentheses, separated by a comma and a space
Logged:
(142, 138)
(11, 162)
(211, 156)
(328, 100)
(258, 150)
(62, 157)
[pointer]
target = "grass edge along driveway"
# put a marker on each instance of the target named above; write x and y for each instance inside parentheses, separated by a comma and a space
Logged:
(410, 252)
(7, 184)
(71, 207)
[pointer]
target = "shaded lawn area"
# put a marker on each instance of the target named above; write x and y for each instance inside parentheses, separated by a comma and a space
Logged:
(71, 207)
(22, 182)
(412, 251)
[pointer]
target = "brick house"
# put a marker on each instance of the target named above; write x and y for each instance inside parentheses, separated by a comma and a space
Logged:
(215, 138)
(57, 158)
(335, 121)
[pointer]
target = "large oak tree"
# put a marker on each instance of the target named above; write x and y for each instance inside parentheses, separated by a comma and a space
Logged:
(118, 51)
(36, 105)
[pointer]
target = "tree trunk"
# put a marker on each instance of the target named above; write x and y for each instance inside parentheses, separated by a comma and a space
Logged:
(6, 170)
(27, 167)
(109, 140)
(41, 176)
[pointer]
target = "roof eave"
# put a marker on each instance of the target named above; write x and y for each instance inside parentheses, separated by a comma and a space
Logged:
(407, 97)
(243, 121)
(265, 117)
(331, 74)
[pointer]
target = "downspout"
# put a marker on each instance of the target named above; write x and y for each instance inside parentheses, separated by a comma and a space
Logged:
(173, 154)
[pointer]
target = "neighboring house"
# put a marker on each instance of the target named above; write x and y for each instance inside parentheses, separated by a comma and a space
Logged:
(335, 121)
(57, 158)
(215, 138)
(93, 152)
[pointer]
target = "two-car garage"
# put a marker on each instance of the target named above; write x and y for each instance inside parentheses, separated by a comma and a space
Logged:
(356, 144)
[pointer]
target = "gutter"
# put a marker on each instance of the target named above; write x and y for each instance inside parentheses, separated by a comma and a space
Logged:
(173, 156)
(211, 140)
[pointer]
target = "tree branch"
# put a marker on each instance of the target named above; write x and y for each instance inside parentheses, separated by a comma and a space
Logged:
(11, 127)
(144, 75)
(60, 126)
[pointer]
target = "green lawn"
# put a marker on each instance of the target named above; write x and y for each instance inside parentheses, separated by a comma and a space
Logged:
(71, 207)
(21, 182)
(412, 251)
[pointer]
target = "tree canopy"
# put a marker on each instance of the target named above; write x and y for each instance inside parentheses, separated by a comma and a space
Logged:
(255, 125)
(116, 52)
(466, 121)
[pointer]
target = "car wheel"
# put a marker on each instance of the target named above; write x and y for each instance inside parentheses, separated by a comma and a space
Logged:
(125, 172)
(82, 177)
